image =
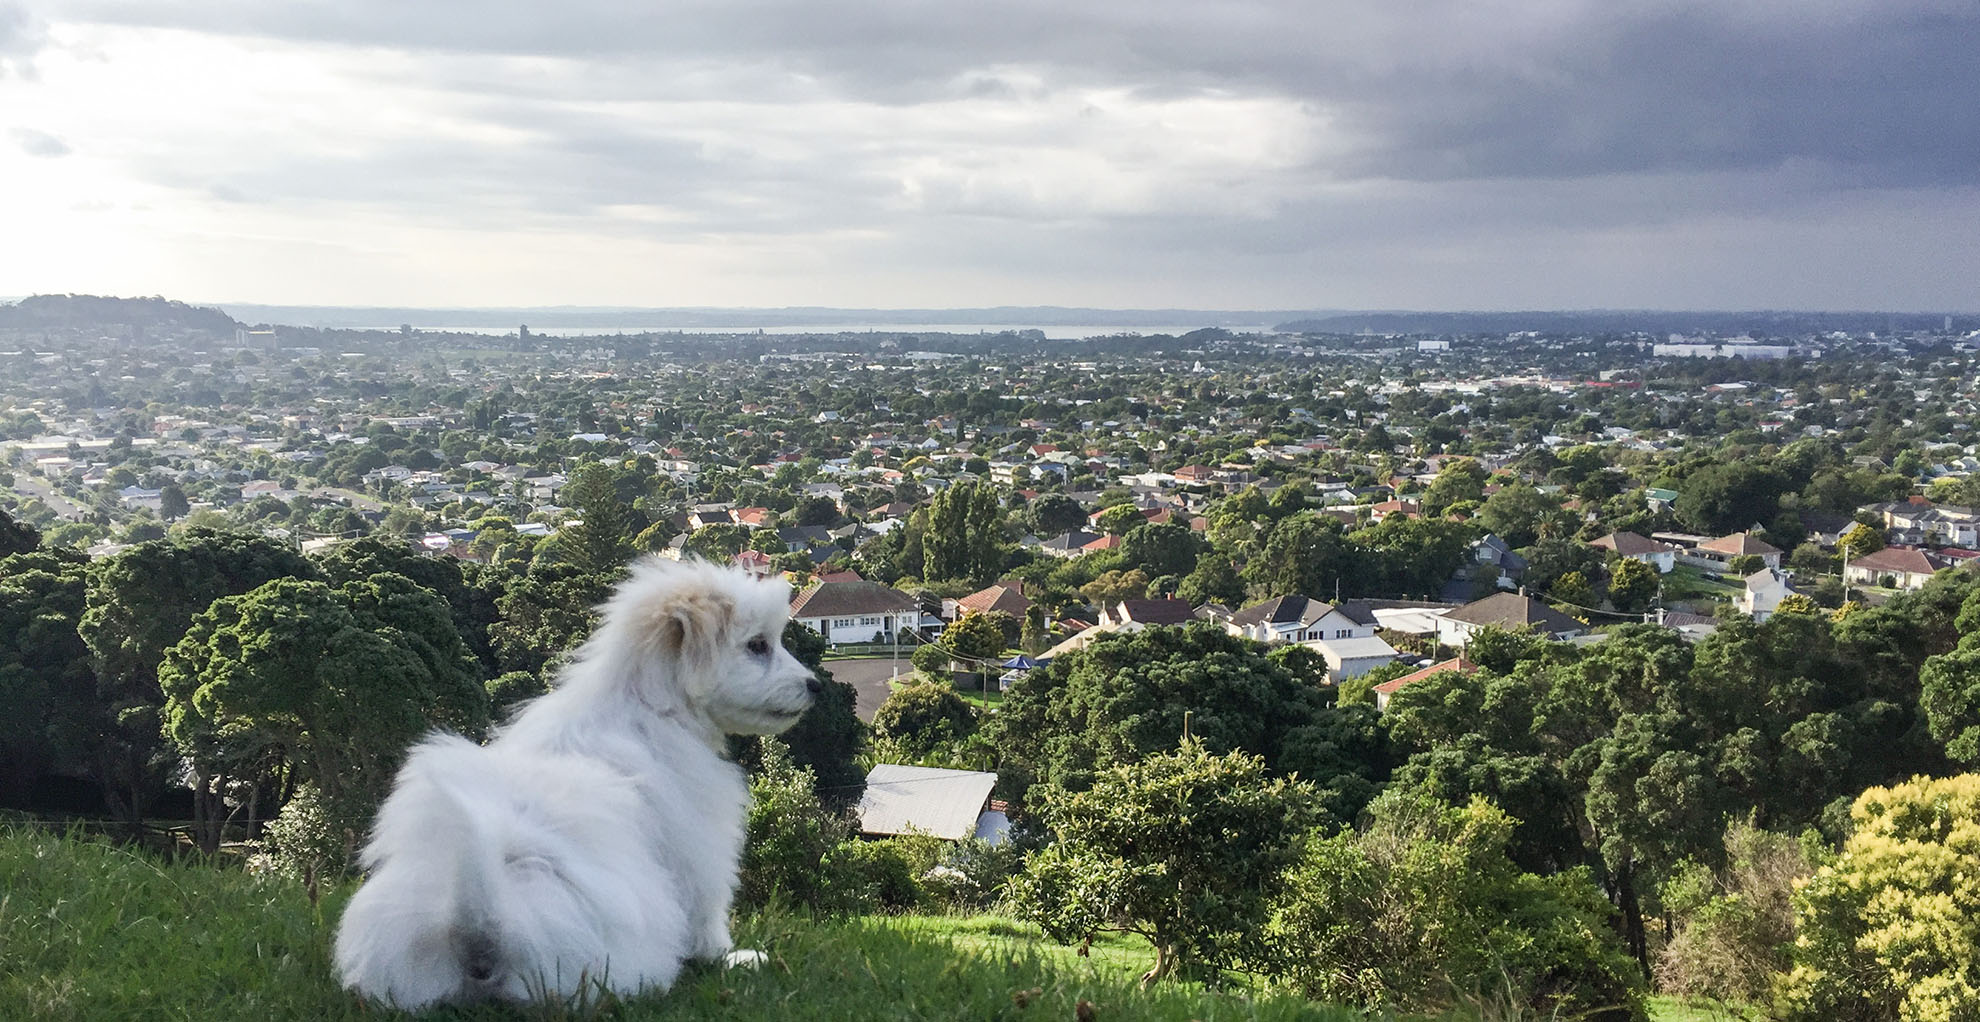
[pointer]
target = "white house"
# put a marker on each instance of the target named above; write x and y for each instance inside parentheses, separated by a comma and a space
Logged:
(856, 611)
(1342, 633)
(1909, 569)
(1763, 594)
(1510, 611)
(1661, 556)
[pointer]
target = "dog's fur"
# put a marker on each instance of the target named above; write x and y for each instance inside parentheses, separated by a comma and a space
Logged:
(594, 842)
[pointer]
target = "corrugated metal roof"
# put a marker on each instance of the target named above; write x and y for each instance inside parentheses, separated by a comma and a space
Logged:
(930, 800)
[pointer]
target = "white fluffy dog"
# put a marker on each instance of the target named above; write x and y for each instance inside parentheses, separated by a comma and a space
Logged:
(594, 842)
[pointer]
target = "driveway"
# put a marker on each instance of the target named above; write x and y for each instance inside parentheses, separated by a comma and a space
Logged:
(869, 677)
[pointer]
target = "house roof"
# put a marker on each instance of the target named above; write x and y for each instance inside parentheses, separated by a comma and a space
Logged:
(1896, 560)
(1629, 544)
(1157, 612)
(1294, 609)
(1360, 648)
(1073, 540)
(999, 597)
(1457, 663)
(1512, 610)
(839, 599)
(945, 803)
(1740, 544)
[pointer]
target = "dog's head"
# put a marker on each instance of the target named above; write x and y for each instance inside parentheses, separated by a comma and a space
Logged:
(711, 642)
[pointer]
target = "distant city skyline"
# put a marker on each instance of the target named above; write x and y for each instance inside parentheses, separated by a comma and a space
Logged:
(1272, 154)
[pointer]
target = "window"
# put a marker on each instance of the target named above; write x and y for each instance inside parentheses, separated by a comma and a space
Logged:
(844, 622)
(1343, 633)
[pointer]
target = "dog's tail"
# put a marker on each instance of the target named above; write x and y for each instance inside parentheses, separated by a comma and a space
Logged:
(475, 930)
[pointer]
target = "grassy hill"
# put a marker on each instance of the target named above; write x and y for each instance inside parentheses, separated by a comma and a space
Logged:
(90, 930)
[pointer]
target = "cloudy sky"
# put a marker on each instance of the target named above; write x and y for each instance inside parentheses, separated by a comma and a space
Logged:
(1431, 154)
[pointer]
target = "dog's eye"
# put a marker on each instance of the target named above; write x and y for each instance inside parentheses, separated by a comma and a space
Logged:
(759, 646)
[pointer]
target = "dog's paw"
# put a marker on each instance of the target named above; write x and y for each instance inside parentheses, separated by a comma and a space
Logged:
(744, 959)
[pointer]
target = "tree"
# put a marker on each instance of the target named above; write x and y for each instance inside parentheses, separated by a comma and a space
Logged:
(1134, 694)
(339, 680)
(1305, 554)
(172, 502)
(45, 681)
(16, 537)
(1633, 586)
(1573, 590)
(1166, 549)
(1520, 514)
(1891, 929)
(1859, 540)
(1185, 848)
(140, 602)
(1213, 580)
(1033, 638)
(1117, 520)
(1723, 498)
(719, 542)
(1733, 926)
(1114, 586)
(977, 637)
(963, 534)
(1459, 480)
(1425, 909)
(601, 541)
(923, 716)
(1054, 513)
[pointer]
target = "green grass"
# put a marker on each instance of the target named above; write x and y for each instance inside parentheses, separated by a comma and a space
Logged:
(90, 930)
(1677, 1009)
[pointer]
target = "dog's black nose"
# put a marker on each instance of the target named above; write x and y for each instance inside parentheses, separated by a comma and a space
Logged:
(814, 685)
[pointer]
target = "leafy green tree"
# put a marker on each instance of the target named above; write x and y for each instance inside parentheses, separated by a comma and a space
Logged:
(1459, 480)
(976, 637)
(1119, 519)
(1555, 556)
(1305, 554)
(963, 536)
(45, 680)
(1633, 586)
(923, 716)
(1722, 498)
(1033, 638)
(342, 680)
(1520, 514)
(1185, 848)
(140, 602)
(1213, 580)
(542, 614)
(1055, 513)
(1424, 910)
(601, 541)
(1166, 549)
(1891, 929)
(1859, 540)
(1733, 926)
(1114, 586)
(16, 537)
(1573, 590)
(362, 558)
(1134, 694)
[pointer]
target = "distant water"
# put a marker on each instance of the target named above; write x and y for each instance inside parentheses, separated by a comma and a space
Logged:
(1055, 331)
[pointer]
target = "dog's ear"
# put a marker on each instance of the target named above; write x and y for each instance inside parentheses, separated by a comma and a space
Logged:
(692, 624)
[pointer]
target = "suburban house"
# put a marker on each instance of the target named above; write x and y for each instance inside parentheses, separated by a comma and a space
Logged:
(1510, 611)
(1068, 544)
(1763, 594)
(1389, 688)
(858, 611)
(1007, 597)
(1907, 568)
(949, 804)
(1134, 615)
(1342, 633)
(1718, 554)
(1629, 545)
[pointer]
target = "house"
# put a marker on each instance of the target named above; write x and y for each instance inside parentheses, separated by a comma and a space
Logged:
(857, 611)
(1718, 554)
(1068, 544)
(1342, 633)
(1134, 615)
(1389, 688)
(1765, 589)
(1906, 568)
(1510, 611)
(757, 563)
(949, 804)
(1008, 598)
(1629, 545)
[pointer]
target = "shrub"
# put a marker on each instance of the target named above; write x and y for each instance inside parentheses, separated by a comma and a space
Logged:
(1891, 929)
(972, 875)
(1733, 927)
(1425, 910)
(923, 715)
(869, 875)
(312, 837)
(789, 835)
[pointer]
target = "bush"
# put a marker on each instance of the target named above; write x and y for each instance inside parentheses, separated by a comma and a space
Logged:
(1733, 928)
(1424, 910)
(923, 715)
(789, 835)
(972, 874)
(1891, 929)
(870, 875)
(312, 839)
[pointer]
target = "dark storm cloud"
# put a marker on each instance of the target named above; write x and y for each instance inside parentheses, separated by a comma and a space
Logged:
(1436, 90)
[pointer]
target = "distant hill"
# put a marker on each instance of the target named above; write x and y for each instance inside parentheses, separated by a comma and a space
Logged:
(1610, 321)
(711, 318)
(148, 314)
